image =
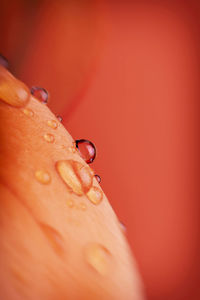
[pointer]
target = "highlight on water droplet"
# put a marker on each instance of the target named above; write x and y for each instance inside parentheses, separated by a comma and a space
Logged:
(54, 237)
(98, 257)
(52, 123)
(4, 61)
(123, 227)
(76, 176)
(87, 150)
(40, 93)
(60, 119)
(70, 203)
(49, 137)
(42, 176)
(98, 178)
(28, 112)
(95, 195)
(12, 91)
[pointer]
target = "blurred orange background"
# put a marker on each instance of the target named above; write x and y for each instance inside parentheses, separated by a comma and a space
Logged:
(125, 75)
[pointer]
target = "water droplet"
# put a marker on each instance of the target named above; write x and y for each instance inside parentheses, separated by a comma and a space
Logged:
(77, 177)
(12, 91)
(52, 123)
(98, 257)
(54, 238)
(49, 137)
(123, 227)
(28, 112)
(60, 119)
(40, 93)
(98, 178)
(70, 203)
(42, 176)
(95, 195)
(82, 206)
(72, 149)
(4, 61)
(87, 150)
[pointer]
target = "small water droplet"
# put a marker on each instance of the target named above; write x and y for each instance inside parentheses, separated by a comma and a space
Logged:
(95, 195)
(49, 137)
(98, 257)
(70, 203)
(123, 227)
(82, 206)
(42, 176)
(4, 61)
(52, 123)
(60, 119)
(72, 149)
(54, 238)
(76, 176)
(12, 91)
(28, 112)
(40, 93)
(98, 178)
(87, 150)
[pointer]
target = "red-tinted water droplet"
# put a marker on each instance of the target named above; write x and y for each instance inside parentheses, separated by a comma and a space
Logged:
(40, 93)
(3, 61)
(60, 119)
(98, 178)
(87, 150)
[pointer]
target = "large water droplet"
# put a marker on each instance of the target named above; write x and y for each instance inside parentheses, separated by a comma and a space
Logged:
(77, 177)
(52, 123)
(49, 138)
(98, 178)
(3, 61)
(53, 237)
(42, 176)
(12, 91)
(28, 112)
(87, 150)
(95, 195)
(97, 256)
(40, 93)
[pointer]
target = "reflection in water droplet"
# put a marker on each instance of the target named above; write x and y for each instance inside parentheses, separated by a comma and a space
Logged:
(95, 195)
(52, 123)
(70, 203)
(42, 176)
(28, 112)
(87, 150)
(98, 257)
(77, 177)
(59, 118)
(3, 61)
(12, 91)
(49, 138)
(98, 178)
(54, 238)
(40, 93)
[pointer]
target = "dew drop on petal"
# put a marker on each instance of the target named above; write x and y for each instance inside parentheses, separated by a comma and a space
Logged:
(87, 150)
(123, 227)
(98, 257)
(70, 203)
(54, 238)
(98, 178)
(52, 123)
(95, 195)
(40, 93)
(42, 176)
(28, 112)
(60, 119)
(76, 176)
(49, 137)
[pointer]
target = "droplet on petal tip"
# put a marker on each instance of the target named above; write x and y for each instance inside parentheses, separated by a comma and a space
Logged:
(40, 93)
(87, 150)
